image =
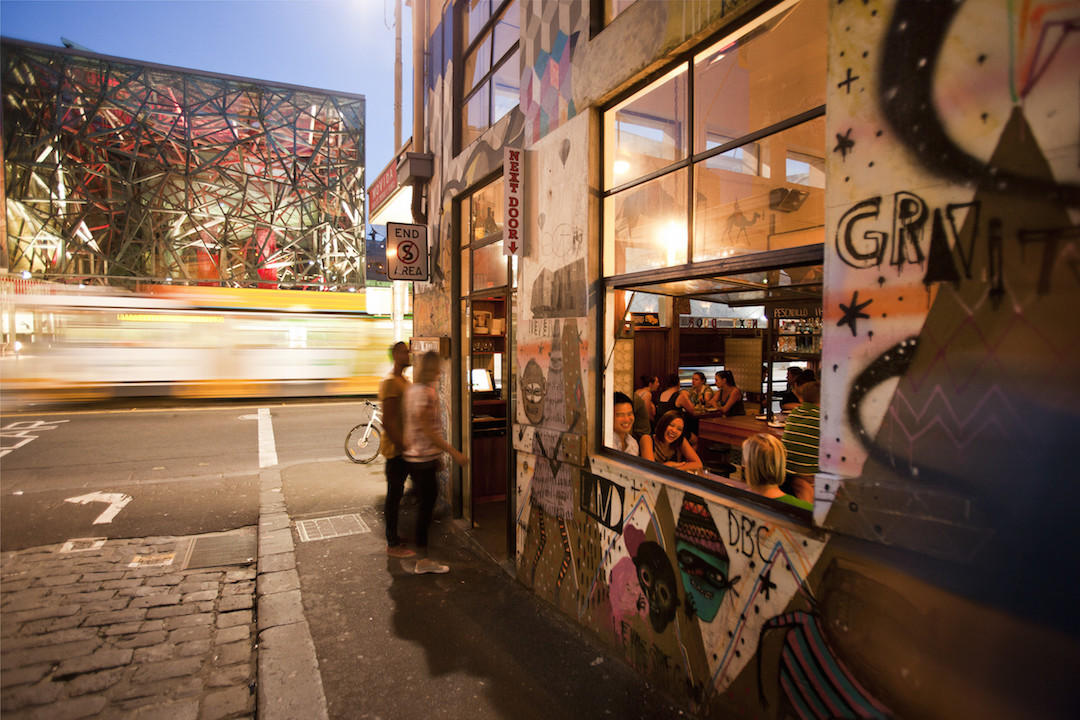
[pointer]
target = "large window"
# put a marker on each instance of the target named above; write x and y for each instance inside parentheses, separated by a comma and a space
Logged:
(483, 264)
(748, 145)
(491, 64)
(714, 214)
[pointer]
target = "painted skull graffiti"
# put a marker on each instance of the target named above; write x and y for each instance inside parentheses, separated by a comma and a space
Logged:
(657, 580)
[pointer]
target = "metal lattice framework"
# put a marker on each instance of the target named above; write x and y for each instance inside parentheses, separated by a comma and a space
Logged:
(118, 170)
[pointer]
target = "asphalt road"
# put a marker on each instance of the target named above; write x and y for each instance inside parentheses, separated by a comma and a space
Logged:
(187, 469)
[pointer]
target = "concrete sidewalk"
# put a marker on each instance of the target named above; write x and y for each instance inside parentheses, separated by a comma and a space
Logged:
(121, 629)
(472, 643)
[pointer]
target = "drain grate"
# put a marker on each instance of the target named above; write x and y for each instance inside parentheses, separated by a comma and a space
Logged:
(331, 527)
(82, 544)
(217, 550)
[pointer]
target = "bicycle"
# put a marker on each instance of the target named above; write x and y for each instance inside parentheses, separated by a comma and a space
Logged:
(362, 442)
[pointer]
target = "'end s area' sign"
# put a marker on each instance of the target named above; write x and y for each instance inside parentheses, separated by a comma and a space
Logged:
(406, 252)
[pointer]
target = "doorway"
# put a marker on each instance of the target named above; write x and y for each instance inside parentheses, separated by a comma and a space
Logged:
(487, 292)
(488, 401)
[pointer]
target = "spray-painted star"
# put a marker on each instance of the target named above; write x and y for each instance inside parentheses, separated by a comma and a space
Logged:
(853, 312)
(766, 582)
(844, 144)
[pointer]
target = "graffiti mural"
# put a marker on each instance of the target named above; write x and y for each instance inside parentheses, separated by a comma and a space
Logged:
(557, 293)
(970, 255)
(696, 586)
(657, 581)
(550, 35)
(702, 559)
(552, 416)
(813, 681)
(603, 500)
(952, 282)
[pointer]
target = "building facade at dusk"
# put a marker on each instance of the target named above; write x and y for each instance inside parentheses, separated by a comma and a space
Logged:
(882, 192)
(117, 171)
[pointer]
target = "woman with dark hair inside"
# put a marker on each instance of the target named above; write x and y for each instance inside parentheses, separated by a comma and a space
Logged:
(728, 399)
(668, 443)
(673, 397)
(764, 458)
(700, 392)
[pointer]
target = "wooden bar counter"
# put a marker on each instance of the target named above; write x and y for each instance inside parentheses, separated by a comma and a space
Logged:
(733, 430)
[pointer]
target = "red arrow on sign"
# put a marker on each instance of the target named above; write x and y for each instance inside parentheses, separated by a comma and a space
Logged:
(513, 247)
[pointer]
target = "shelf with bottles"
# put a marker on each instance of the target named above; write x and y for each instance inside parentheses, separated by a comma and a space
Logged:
(800, 336)
(486, 344)
(784, 355)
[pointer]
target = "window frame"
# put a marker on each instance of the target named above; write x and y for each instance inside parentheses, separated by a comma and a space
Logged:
(803, 255)
(462, 50)
(465, 242)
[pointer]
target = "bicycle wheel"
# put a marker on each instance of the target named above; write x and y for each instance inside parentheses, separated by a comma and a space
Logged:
(360, 449)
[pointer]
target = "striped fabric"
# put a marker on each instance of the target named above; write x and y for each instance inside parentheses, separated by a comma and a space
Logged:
(800, 439)
(812, 678)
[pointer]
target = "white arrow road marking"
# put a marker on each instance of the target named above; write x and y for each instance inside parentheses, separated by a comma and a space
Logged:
(267, 448)
(116, 501)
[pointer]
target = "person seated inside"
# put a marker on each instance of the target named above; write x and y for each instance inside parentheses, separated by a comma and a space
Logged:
(788, 399)
(699, 393)
(668, 443)
(728, 397)
(624, 422)
(673, 397)
(644, 407)
(802, 437)
(764, 459)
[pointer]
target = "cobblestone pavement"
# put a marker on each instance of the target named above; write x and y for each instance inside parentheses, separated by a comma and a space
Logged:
(86, 634)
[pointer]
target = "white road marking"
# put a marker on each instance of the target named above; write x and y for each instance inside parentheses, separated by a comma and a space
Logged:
(267, 448)
(22, 430)
(116, 501)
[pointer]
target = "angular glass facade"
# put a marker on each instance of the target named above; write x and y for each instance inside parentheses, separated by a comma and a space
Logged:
(118, 170)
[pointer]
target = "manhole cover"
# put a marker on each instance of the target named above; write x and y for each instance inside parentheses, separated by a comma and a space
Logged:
(331, 527)
(217, 550)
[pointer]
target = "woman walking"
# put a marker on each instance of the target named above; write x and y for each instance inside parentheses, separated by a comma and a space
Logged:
(425, 442)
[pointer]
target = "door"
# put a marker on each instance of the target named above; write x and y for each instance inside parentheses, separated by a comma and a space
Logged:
(485, 352)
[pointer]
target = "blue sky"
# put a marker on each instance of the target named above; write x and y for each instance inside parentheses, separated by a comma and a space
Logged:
(343, 45)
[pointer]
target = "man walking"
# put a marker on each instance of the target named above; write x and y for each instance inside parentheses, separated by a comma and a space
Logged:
(391, 395)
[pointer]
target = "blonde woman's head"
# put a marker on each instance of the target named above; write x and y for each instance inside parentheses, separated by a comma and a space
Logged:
(764, 458)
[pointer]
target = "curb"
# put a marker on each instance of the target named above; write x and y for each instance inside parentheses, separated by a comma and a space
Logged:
(289, 683)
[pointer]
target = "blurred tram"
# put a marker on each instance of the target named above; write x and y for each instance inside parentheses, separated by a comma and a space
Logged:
(61, 343)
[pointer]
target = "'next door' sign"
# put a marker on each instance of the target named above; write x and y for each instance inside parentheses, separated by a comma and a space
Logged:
(406, 251)
(514, 222)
